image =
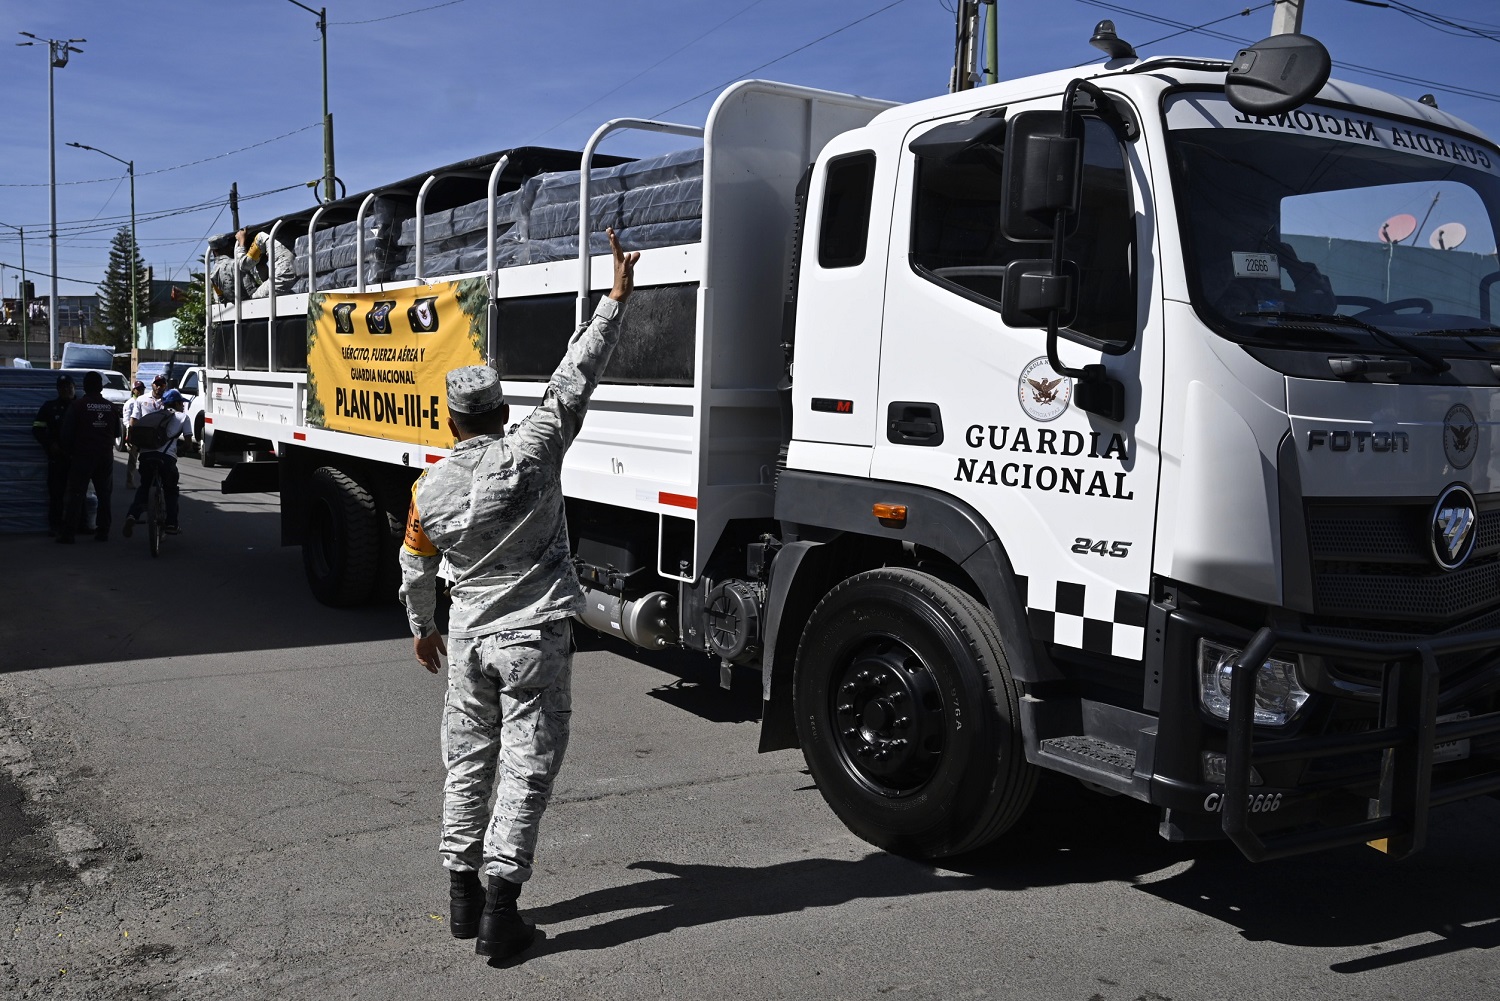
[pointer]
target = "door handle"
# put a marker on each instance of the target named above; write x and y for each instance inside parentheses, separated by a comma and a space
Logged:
(909, 423)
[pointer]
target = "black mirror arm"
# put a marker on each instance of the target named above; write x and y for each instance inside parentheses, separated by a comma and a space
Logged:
(1097, 392)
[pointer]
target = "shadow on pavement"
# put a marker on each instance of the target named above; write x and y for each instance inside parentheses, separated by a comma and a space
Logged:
(1449, 896)
(696, 689)
(224, 585)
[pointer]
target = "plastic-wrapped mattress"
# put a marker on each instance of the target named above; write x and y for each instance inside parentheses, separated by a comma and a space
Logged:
(655, 202)
(337, 254)
(23, 464)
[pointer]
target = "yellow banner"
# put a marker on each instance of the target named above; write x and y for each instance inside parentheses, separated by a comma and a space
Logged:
(377, 361)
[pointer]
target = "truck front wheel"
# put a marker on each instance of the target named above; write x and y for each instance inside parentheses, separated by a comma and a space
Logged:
(339, 547)
(908, 715)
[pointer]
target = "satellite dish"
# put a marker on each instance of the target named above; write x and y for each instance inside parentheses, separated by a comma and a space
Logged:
(1398, 227)
(1448, 236)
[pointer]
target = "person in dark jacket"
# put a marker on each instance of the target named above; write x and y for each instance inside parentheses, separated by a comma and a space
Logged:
(88, 434)
(47, 429)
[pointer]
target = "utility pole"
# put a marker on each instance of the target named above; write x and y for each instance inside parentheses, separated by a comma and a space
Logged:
(135, 248)
(57, 58)
(1286, 19)
(322, 13)
(25, 306)
(965, 48)
(991, 42)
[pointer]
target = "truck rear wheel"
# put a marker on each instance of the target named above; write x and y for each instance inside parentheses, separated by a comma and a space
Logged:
(201, 443)
(908, 715)
(339, 547)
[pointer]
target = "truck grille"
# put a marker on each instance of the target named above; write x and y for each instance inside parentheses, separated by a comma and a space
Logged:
(1373, 562)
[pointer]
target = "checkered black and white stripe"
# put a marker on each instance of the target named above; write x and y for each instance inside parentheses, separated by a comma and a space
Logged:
(1098, 619)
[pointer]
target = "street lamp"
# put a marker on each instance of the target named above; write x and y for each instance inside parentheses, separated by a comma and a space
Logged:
(327, 118)
(25, 318)
(135, 248)
(57, 58)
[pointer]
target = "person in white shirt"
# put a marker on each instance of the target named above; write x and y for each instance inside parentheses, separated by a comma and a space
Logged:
(159, 460)
(127, 418)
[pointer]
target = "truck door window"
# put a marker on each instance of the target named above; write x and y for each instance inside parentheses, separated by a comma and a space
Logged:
(845, 225)
(956, 239)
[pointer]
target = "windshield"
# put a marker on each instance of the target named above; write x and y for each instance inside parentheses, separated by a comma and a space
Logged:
(1328, 212)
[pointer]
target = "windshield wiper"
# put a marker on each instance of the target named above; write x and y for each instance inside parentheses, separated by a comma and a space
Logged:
(1437, 363)
(1488, 328)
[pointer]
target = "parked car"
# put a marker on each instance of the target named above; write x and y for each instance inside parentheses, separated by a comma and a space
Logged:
(76, 354)
(174, 371)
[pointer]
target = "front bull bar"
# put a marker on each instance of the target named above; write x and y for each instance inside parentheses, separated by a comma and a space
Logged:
(1407, 733)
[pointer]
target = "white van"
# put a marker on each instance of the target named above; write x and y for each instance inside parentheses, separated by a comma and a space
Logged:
(78, 355)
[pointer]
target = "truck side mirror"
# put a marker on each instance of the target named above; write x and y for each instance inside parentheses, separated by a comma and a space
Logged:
(1042, 176)
(1277, 74)
(1032, 291)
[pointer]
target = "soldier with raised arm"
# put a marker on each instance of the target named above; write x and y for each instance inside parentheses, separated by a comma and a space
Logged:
(490, 519)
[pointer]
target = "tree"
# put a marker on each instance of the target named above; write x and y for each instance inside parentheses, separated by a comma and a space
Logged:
(189, 318)
(114, 292)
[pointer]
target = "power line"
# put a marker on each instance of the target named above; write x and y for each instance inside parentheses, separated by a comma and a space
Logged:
(1424, 83)
(1430, 19)
(648, 69)
(113, 222)
(785, 55)
(1240, 13)
(392, 17)
(34, 273)
(209, 232)
(164, 170)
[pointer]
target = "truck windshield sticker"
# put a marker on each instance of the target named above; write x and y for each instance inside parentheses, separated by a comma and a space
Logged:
(1256, 265)
(385, 377)
(1205, 111)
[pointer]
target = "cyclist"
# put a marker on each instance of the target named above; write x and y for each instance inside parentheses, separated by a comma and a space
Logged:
(162, 427)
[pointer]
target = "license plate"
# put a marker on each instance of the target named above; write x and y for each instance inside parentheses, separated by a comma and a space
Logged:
(1453, 750)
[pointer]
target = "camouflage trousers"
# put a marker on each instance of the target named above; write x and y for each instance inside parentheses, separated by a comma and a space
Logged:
(505, 729)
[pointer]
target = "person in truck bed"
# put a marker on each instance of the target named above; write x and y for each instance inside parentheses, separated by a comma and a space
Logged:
(249, 266)
(490, 518)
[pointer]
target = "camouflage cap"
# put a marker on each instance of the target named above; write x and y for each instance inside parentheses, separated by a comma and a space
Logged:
(474, 389)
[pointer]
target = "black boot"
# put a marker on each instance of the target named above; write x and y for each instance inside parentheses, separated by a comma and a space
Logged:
(465, 902)
(502, 933)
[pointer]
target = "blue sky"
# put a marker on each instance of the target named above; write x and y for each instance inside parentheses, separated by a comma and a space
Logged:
(171, 82)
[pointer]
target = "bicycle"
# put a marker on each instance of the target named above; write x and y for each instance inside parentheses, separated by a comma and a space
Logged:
(156, 513)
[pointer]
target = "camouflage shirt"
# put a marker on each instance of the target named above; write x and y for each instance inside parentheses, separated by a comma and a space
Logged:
(490, 517)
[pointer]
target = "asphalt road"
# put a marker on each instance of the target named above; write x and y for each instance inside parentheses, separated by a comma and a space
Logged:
(213, 787)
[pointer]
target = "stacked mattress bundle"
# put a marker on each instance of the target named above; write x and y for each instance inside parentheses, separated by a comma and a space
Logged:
(657, 202)
(453, 239)
(338, 249)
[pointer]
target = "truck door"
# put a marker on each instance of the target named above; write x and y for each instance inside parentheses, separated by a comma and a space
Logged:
(972, 406)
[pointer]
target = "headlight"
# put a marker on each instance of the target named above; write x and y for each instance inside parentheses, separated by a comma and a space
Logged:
(1278, 695)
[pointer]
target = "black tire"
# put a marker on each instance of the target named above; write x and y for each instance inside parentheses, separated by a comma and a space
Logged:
(155, 527)
(204, 456)
(339, 546)
(908, 716)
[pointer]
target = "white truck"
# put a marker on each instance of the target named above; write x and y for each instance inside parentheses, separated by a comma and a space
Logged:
(1059, 424)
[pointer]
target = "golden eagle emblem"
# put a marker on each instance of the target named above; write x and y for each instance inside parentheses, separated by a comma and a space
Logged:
(1044, 390)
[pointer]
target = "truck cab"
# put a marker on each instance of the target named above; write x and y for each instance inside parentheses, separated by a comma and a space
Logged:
(1256, 446)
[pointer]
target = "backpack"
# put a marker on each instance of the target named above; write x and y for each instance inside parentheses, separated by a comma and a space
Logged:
(150, 432)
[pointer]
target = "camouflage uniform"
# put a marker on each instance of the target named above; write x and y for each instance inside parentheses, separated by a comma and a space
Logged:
(248, 265)
(490, 519)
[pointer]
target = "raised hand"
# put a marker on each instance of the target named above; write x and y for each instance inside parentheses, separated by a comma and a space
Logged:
(624, 268)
